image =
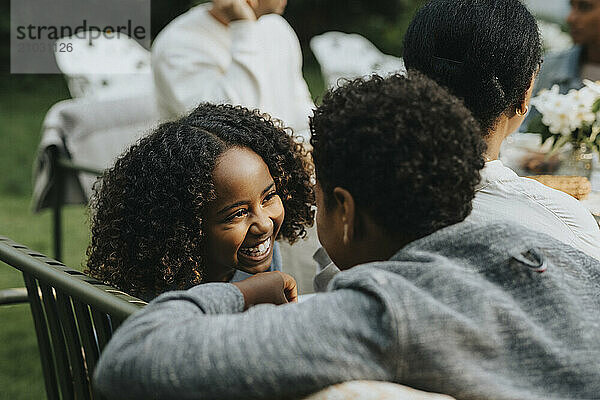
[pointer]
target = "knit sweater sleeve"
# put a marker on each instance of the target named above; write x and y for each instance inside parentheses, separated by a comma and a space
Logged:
(198, 344)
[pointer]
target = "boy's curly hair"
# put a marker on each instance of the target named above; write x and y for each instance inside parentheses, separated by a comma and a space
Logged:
(147, 210)
(407, 150)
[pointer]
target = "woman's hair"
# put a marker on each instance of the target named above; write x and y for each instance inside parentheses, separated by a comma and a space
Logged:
(485, 51)
(407, 150)
(148, 209)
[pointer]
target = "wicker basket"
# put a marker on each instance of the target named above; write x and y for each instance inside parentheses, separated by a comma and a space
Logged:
(577, 186)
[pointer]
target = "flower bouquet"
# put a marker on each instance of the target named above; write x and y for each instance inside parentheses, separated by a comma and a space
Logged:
(571, 118)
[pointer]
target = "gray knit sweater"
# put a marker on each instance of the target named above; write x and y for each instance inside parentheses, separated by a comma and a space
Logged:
(466, 311)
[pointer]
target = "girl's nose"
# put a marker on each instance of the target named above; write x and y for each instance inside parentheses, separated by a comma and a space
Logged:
(262, 224)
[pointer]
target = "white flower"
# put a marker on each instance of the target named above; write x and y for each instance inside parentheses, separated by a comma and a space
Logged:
(545, 98)
(585, 97)
(563, 114)
(554, 39)
(593, 86)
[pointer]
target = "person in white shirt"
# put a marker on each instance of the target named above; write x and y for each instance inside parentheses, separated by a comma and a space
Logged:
(490, 59)
(240, 52)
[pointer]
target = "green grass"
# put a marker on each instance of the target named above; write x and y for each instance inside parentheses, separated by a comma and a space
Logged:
(24, 101)
(314, 79)
(20, 373)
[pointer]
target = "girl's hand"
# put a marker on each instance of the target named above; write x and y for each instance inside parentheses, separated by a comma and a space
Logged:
(273, 287)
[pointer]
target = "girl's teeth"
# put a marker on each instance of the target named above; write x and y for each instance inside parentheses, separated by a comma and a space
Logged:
(258, 250)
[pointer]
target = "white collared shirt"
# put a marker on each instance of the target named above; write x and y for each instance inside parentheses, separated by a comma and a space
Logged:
(326, 270)
(503, 195)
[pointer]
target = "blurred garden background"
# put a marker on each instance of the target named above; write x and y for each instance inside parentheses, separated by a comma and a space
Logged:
(24, 101)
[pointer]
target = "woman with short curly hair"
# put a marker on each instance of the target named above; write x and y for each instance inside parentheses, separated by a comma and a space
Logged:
(201, 199)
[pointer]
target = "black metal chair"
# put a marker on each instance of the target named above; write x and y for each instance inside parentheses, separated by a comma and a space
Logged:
(62, 167)
(74, 317)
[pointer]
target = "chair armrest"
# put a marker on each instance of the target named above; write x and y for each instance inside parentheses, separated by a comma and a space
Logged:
(13, 296)
(78, 167)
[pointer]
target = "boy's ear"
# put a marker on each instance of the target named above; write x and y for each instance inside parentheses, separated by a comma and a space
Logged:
(346, 207)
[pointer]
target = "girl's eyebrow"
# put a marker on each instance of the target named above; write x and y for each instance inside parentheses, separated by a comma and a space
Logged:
(234, 205)
(271, 186)
(244, 202)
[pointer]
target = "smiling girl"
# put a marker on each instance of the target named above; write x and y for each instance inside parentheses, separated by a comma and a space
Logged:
(201, 199)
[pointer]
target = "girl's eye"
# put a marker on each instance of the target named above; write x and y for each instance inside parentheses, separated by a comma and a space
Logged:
(271, 196)
(238, 214)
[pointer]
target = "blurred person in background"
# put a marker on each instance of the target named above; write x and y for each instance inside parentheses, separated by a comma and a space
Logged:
(569, 68)
(232, 51)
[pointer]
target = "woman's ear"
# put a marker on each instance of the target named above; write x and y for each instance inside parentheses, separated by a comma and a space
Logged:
(524, 104)
(347, 212)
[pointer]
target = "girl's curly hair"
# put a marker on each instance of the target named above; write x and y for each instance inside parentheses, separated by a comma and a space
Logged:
(147, 210)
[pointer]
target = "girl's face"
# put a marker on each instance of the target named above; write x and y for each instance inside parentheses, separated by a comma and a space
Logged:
(244, 220)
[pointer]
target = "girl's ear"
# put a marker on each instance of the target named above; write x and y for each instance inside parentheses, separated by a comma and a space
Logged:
(346, 212)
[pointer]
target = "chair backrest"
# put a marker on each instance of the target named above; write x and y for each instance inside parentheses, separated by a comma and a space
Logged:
(90, 132)
(74, 317)
(108, 67)
(349, 56)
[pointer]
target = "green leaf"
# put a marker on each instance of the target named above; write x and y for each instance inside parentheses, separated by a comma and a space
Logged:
(547, 135)
(596, 106)
(536, 125)
(595, 132)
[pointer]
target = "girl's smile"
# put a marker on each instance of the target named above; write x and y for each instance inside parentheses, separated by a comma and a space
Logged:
(258, 252)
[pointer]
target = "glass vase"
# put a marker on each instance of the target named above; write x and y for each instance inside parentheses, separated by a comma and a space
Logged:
(577, 162)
